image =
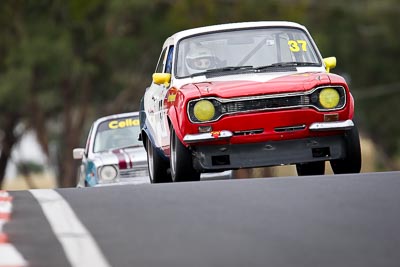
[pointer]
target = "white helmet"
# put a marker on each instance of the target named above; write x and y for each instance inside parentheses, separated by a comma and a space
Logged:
(200, 58)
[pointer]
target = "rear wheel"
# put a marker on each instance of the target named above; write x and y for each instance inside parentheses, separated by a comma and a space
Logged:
(181, 161)
(352, 162)
(158, 167)
(311, 168)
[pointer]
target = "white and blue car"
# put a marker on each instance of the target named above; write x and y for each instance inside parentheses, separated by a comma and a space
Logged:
(113, 154)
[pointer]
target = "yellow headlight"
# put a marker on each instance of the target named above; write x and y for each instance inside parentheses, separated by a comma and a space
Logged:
(329, 98)
(204, 110)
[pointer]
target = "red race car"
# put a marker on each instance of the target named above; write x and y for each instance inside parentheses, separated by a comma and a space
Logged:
(246, 95)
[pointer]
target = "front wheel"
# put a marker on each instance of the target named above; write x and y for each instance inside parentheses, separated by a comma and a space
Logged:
(181, 161)
(352, 162)
(311, 168)
(158, 167)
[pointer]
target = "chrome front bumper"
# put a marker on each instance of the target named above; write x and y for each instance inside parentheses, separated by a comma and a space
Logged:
(201, 137)
(332, 126)
(224, 134)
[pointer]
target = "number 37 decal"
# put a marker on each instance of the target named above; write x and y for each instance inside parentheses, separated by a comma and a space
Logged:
(297, 45)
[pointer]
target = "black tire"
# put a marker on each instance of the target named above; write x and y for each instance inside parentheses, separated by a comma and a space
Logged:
(158, 167)
(311, 168)
(352, 162)
(181, 161)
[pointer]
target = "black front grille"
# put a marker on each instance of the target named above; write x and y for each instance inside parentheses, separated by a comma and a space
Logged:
(265, 104)
(134, 172)
(224, 106)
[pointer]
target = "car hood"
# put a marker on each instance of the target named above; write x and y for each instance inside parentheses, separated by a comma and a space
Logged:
(257, 84)
(125, 158)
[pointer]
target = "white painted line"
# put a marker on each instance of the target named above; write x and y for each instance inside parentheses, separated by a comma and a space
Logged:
(10, 257)
(80, 247)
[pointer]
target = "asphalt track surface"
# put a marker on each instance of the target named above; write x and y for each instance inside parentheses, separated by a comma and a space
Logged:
(341, 220)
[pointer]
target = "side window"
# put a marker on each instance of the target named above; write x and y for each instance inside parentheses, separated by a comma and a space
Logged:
(168, 67)
(160, 65)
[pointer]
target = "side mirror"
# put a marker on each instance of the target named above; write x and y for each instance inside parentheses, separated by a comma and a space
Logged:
(78, 153)
(330, 63)
(162, 78)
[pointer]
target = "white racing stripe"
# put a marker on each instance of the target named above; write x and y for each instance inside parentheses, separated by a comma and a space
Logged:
(80, 247)
(10, 257)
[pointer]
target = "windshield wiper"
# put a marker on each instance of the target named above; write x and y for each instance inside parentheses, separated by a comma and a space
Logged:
(229, 68)
(223, 69)
(261, 68)
(287, 64)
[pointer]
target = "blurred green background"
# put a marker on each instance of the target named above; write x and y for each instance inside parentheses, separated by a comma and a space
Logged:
(63, 63)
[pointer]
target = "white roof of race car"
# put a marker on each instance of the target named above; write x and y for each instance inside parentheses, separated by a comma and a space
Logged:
(238, 25)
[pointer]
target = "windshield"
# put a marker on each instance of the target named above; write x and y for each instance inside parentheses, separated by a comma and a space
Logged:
(117, 133)
(248, 48)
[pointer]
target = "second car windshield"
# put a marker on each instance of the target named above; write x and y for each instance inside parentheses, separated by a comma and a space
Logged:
(117, 133)
(231, 50)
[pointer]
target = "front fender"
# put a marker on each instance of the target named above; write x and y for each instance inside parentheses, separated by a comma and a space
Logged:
(146, 135)
(173, 119)
(351, 106)
(175, 123)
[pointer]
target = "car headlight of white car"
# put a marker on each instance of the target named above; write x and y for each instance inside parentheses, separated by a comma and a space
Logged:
(108, 173)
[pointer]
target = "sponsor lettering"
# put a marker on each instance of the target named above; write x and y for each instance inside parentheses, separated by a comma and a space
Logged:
(171, 97)
(123, 123)
(216, 134)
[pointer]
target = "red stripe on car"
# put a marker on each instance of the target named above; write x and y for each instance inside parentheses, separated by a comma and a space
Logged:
(122, 163)
(127, 158)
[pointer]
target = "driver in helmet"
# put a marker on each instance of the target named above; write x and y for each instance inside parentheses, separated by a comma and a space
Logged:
(200, 58)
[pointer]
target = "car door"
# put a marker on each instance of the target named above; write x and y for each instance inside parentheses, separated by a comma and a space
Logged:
(165, 139)
(154, 99)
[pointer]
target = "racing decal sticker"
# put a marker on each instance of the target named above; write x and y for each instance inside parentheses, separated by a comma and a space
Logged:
(215, 134)
(171, 97)
(115, 124)
(297, 45)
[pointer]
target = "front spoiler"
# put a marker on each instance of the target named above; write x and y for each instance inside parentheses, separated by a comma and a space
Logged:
(271, 153)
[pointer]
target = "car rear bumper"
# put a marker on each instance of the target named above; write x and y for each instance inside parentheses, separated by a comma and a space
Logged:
(271, 153)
